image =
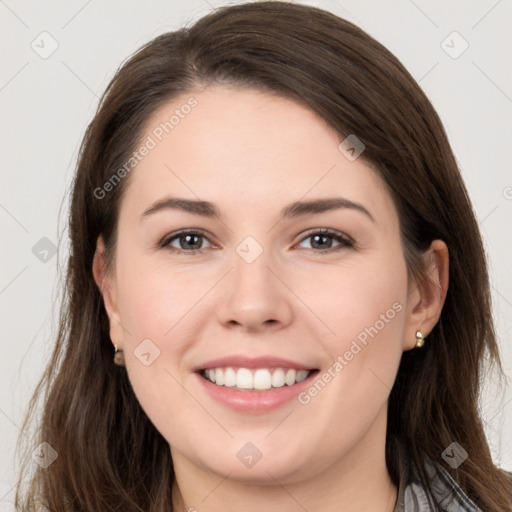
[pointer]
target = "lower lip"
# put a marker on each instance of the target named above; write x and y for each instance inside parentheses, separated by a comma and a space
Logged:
(254, 401)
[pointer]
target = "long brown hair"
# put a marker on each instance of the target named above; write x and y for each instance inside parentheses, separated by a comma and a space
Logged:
(110, 456)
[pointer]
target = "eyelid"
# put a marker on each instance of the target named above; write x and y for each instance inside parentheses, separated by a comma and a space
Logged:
(328, 231)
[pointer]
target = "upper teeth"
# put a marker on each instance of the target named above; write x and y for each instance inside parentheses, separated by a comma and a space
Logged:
(262, 378)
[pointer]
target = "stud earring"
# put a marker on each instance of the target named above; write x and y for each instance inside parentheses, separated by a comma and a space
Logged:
(420, 340)
(118, 357)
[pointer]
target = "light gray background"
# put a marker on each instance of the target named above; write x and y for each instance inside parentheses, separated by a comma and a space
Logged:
(46, 104)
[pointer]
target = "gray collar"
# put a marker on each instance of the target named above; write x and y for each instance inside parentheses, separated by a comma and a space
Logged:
(412, 497)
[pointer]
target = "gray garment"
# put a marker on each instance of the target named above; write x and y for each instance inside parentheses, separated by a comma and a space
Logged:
(412, 496)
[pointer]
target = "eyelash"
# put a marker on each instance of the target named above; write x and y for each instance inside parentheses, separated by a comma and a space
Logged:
(343, 239)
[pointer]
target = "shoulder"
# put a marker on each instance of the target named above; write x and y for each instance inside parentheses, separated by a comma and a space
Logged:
(451, 495)
(412, 495)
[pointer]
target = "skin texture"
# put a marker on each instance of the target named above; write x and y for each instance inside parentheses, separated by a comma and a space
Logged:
(252, 153)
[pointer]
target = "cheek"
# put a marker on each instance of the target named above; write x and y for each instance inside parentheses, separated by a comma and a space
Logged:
(367, 313)
(361, 304)
(153, 298)
(155, 304)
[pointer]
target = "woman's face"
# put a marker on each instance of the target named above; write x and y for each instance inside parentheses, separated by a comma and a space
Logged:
(259, 287)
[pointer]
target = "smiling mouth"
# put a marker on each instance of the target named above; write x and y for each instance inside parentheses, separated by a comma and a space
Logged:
(258, 379)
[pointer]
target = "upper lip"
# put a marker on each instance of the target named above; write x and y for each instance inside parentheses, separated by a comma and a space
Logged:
(252, 362)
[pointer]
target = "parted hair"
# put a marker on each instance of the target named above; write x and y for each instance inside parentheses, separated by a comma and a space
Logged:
(110, 456)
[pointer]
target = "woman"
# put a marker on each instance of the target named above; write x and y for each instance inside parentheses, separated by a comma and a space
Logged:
(252, 370)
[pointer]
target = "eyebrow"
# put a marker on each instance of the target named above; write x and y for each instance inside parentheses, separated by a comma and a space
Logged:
(293, 210)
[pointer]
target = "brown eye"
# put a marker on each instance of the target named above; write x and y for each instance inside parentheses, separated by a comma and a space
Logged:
(189, 242)
(322, 241)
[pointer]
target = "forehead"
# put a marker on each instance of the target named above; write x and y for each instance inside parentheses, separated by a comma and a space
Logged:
(246, 148)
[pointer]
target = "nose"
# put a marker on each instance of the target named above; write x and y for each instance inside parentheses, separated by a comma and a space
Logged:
(254, 296)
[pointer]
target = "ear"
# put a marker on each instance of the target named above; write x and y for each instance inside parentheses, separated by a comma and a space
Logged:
(426, 298)
(105, 281)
